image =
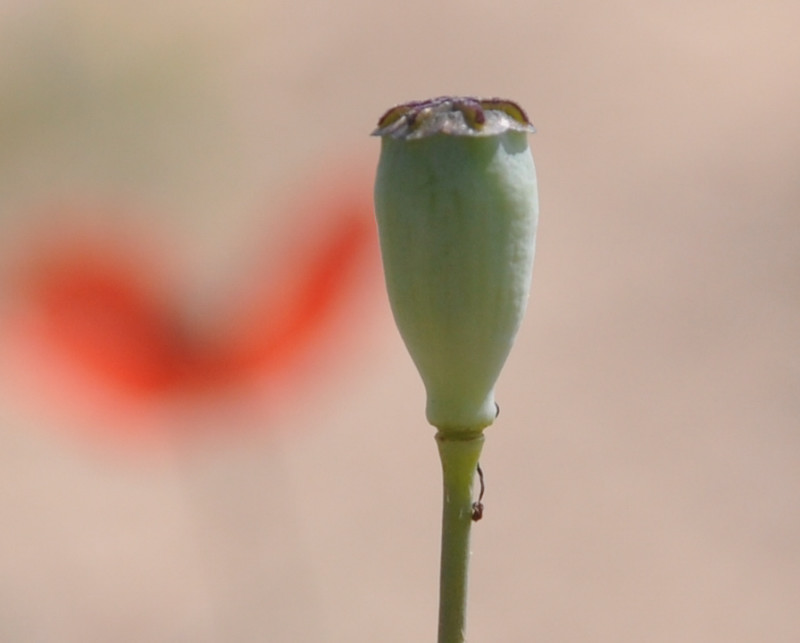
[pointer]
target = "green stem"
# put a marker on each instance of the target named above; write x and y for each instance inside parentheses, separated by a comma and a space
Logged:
(459, 455)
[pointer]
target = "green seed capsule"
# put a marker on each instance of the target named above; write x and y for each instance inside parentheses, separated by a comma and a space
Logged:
(457, 206)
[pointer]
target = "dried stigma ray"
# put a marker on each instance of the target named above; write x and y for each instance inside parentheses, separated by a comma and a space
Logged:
(459, 116)
(457, 207)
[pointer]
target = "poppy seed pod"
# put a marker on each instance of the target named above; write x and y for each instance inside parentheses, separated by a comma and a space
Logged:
(457, 206)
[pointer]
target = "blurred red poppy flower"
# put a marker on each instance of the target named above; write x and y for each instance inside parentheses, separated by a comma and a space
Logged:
(101, 321)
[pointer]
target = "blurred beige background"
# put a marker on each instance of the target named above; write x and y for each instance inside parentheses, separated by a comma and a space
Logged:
(643, 477)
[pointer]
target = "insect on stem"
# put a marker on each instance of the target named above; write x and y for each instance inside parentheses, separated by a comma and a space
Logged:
(477, 506)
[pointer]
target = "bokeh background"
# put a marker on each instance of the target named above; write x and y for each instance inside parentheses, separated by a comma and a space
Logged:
(190, 450)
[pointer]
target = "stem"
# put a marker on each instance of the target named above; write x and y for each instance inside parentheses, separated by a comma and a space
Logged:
(459, 455)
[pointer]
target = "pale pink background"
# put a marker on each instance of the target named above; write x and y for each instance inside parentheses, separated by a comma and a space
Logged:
(644, 476)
